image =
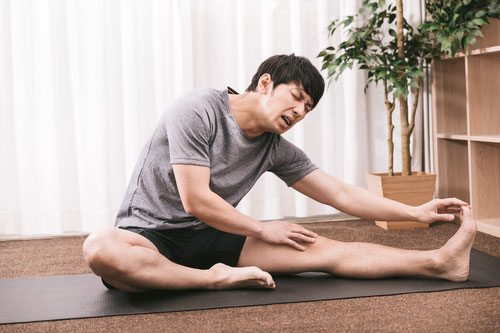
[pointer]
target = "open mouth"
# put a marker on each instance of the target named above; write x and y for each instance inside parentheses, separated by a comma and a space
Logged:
(287, 122)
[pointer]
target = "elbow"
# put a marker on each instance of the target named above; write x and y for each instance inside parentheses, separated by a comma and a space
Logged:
(190, 207)
(194, 205)
(342, 199)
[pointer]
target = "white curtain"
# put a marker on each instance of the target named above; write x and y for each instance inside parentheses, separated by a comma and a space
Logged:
(82, 84)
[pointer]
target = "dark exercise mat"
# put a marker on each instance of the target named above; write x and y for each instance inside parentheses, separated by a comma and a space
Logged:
(84, 296)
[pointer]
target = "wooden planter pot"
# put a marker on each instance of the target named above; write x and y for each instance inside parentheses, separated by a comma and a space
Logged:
(412, 190)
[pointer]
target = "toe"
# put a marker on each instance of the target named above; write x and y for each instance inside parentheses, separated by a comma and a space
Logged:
(266, 278)
(466, 212)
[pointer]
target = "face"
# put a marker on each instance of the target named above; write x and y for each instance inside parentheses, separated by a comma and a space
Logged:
(284, 106)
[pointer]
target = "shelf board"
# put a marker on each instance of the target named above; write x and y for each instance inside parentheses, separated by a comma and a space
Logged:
(485, 138)
(463, 137)
(489, 226)
(484, 50)
(491, 49)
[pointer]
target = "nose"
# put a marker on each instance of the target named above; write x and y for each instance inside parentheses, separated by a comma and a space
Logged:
(299, 109)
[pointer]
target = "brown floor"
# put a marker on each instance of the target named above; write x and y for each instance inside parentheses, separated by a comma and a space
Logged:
(466, 310)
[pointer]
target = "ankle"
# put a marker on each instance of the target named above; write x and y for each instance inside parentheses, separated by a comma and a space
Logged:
(436, 263)
(213, 278)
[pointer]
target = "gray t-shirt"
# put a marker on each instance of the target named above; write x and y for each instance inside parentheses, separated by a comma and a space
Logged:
(199, 129)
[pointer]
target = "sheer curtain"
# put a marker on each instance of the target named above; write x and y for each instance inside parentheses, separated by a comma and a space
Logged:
(82, 84)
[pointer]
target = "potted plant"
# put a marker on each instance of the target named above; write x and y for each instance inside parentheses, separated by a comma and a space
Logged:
(381, 42)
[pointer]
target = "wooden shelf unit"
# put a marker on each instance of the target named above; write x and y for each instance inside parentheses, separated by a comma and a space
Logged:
(466, 127)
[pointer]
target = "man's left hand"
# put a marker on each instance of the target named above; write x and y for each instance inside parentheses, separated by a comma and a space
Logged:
(439, 210)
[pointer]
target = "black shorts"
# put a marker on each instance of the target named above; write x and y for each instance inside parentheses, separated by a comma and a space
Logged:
(200, 249)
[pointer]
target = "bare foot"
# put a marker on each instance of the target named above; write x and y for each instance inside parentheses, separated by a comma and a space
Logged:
(454, 256)
(227, 277)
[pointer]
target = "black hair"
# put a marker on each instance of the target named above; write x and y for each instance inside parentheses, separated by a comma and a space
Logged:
(291, 68)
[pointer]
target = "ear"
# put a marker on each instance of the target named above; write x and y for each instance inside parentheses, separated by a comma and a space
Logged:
(265, 84)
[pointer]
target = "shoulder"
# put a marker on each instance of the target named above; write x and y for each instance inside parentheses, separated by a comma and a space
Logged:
(196, 112)
(201, 97)
(202, 102)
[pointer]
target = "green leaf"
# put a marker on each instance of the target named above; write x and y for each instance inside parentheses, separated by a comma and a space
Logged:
(444, 14)
(347, 21)
(413, 84)
(480, 13)
(343, 67)
(445, 44)
(465, 42)
(479, 21)
(405, 94)
(454, 47)
(331, 69)
(441, 37)
(399, 91)
(477, 33)
(471, 25)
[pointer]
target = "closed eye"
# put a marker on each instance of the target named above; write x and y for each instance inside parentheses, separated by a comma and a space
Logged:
(301, 97)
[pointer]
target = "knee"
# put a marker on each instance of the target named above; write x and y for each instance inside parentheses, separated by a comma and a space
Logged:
(322, 245)
(99, 251)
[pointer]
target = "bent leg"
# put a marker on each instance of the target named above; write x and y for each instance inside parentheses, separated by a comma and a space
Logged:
(132, 263)
(364, 260)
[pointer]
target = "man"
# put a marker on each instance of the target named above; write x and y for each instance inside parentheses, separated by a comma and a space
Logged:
(178, 228)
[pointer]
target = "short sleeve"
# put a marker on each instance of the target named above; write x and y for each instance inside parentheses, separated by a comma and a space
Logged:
(290, 163)
(189, 135)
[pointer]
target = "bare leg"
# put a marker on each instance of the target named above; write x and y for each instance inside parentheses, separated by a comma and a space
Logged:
(131, 262)
(364, 260)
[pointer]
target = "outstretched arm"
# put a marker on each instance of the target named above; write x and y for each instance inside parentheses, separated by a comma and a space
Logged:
(199, 200)
(357, 201)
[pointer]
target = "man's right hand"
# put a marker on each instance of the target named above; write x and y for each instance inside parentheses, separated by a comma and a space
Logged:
(283, 232)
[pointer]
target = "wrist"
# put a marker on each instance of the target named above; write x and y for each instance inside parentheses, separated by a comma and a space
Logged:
(257, 230)
(412, 213)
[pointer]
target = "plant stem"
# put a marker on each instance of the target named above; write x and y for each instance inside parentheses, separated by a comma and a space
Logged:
(415, 104)
(403, 103)
(390, 129)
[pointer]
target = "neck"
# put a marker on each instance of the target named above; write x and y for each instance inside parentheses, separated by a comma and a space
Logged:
(243, 108)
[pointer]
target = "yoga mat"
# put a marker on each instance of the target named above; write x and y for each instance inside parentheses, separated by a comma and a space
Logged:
(84, 296)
